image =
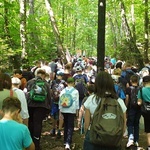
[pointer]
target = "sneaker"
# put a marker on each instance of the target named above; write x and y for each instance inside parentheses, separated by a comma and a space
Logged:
(58, 135)
(67, 147)
(52, 132)
(130, 143)
(136, 144)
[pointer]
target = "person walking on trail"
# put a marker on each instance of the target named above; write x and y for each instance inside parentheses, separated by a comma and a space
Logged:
(81, 82)
(104, 92)
(69, 106)
(5, 89)
(57, 86)
(39, 101)
(133, 112)
(144, 97)
(21, 96)
(13, 134)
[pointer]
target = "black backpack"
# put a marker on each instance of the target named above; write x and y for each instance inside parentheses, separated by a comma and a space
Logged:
(107, 124)
(57, 87)
(128, 75)
(80, 85)
(38, 91)
(133, 97)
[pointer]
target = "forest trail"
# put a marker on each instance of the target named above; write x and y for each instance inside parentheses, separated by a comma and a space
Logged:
(52, 143)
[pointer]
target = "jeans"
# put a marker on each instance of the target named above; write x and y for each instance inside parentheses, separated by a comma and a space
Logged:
(133, 118)
(37, 114)
(68, 127)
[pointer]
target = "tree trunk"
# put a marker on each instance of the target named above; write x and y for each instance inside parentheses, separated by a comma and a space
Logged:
(146, 23)
(23, 27)
(113, 33)
(133, 21)
(130, 40)
(34, 38)
(61, 52)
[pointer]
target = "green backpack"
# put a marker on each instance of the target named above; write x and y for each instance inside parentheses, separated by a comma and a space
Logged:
(38, 92)
(107, 124)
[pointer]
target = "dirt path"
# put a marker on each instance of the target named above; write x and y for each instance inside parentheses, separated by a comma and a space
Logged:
(52, 143)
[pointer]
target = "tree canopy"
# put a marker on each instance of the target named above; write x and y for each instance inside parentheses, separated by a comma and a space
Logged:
(29, 31)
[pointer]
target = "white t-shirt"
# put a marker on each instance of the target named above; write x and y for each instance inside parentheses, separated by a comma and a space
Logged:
(91, 104)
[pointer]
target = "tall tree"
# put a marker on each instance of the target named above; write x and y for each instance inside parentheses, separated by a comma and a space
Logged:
(61, 52)
(130, 40)
(23, 27)
(146, 28)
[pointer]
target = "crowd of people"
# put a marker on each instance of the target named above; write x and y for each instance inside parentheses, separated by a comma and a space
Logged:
(70, 95)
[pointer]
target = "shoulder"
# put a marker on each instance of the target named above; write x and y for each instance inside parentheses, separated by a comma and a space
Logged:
(122, 104)
(90, 101)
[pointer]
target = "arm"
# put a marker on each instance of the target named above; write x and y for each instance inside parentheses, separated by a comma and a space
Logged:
(25, 121)
(127, 100)
(31, 147)
(125, 126)
(81, 112)
(87, 119)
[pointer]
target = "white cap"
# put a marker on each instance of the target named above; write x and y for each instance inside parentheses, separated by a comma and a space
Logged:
(15, 80)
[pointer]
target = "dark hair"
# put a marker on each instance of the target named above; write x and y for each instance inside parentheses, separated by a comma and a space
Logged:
(104, 85)
(134, 79)
(5, 81)
(18, 71)
(70, 80)
(11, 104)
(40, 71)
(91, 88)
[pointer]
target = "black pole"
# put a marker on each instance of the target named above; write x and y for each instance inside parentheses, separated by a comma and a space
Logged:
(101, 34)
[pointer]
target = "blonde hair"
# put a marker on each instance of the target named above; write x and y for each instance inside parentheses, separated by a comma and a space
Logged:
(117, 72)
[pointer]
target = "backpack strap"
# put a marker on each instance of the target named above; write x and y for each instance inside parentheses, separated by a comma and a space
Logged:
(69, 91)
(11, 93)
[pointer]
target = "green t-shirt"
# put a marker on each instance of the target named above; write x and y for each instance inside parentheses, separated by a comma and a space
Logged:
(4, 94)
(145, 94)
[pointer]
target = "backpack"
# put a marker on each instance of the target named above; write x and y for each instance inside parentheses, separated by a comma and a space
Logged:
(80, 85)
(56, 89)
(128, 74)
(133, 97)
(38, 91)
(66, 99)
(107, 123)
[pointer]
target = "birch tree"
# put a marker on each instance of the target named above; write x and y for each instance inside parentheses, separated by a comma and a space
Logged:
(23, 27)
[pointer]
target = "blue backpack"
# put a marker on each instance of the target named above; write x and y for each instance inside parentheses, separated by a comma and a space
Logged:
(66, 99)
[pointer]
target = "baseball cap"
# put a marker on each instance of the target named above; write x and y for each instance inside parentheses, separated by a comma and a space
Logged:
(60, 73)
(146, 79)
(15, 80)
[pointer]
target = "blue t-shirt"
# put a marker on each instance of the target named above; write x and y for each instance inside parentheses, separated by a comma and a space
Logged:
(14, 135)
(145, 94)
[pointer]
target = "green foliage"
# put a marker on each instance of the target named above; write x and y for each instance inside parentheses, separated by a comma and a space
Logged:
(77, 24)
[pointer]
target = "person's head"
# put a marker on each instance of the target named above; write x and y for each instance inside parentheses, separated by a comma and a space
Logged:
(16, 82)
(5, 81)
(146, 80)
(119, 65)
(18, 71)
(78, 70)
(104, 85)
(91, 88)
(127, 65)
(60, 74)
(134, 79)
(12, 106)
(41, 73)
(117, 71)
(70, 81)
